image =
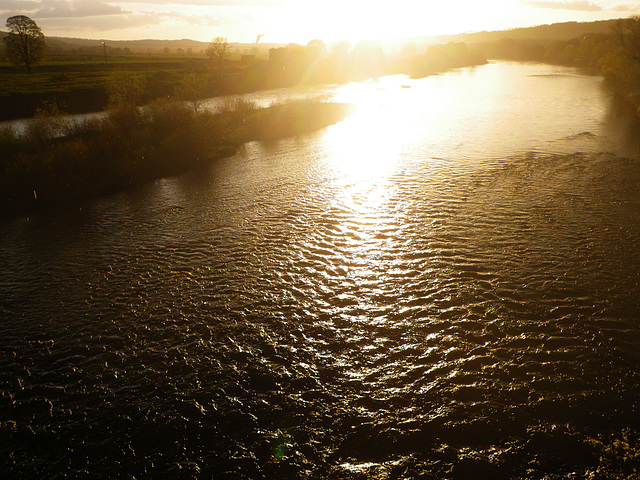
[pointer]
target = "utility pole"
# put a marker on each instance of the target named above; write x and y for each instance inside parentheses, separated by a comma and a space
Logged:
(104, 45)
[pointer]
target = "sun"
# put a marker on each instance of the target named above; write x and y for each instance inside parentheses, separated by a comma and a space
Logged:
(354, 20)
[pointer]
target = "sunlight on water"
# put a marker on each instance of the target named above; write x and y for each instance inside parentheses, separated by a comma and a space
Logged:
(468, 114)
(427, 289)
(368, 144)
(358, 467)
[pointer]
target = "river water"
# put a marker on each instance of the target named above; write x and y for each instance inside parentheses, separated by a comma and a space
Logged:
(443, 285)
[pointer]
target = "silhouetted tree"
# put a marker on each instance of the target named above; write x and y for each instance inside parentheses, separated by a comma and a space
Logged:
(627, 33)
(317, 46)
(25, 43)
(622, 67)
(219, 49)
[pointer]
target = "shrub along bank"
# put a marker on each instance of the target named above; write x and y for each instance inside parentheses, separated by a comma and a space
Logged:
(60, 161)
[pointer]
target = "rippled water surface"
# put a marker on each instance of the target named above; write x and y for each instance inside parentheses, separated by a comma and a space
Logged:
(444, 285)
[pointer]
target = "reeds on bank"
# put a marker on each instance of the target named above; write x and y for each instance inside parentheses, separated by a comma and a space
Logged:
(58, 160)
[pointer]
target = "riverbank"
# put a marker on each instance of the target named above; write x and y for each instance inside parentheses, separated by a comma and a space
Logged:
(84, 86)
(56, 161)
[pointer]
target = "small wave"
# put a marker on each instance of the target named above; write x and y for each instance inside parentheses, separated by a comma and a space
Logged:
(580, 136)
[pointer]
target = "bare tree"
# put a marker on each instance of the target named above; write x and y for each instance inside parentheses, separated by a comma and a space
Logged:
(219, 49)
(25, 42)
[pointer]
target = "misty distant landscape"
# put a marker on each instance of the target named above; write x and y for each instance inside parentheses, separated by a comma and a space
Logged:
(545, 33)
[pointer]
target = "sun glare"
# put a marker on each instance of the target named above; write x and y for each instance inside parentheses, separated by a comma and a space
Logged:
(356, 20)
(367, 144)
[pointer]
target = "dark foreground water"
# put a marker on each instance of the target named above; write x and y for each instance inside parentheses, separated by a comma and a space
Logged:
(443, 286)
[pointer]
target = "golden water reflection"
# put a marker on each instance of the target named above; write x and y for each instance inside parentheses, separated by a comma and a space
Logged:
(398, 125)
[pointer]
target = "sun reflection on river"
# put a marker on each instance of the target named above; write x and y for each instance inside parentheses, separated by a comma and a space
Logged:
(365, 146)
(364, 155)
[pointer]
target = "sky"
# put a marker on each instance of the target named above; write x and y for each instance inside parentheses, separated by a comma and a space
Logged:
(299, 21)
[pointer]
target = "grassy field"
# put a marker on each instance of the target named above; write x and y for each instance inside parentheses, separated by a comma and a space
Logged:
(79, 86)
(73, 74)
(53, 82)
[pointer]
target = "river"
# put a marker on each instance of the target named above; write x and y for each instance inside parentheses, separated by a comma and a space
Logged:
(443, 285)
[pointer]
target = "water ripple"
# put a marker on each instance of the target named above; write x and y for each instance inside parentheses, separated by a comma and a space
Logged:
(279, 317)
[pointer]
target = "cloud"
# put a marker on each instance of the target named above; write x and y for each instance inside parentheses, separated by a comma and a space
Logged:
(626, 8)
(9, 8)
(202, 20)
(215, 3)
(578, 5)
(96, 26)
(100, 24)
(20, 5)
(77, 9)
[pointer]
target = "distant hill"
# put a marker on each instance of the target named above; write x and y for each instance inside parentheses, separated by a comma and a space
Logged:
(540, 33)
(63, 45)
(552, 32)
(555, 31)
(133, 45)
(141, 45)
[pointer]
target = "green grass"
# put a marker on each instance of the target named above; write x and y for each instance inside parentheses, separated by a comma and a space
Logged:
(46, 83)
(81, 86)
(69, 75)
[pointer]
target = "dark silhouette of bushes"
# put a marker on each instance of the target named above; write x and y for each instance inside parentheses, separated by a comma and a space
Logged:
(293, 118)
(59, 161)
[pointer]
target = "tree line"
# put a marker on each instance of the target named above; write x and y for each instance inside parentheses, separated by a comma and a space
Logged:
(614, 55)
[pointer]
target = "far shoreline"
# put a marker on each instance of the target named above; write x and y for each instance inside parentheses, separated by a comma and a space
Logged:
(84, 87)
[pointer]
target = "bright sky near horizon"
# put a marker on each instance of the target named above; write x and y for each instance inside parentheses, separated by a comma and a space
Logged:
(283, 21)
